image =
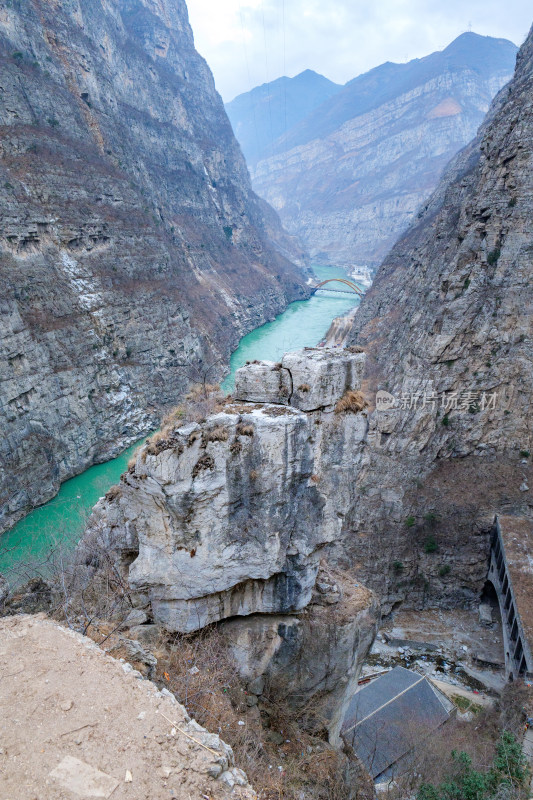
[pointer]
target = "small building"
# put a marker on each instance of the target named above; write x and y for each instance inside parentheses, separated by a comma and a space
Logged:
(388, 717)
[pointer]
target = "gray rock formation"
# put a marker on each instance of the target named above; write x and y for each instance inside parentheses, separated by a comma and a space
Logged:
(312, 661)
(350, 177)
(447, 327)
(130, 241)
(231, 517)
(4, 590)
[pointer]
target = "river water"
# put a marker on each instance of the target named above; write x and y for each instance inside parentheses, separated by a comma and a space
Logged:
(29, 546)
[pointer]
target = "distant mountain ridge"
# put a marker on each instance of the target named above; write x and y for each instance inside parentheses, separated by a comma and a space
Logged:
(261, 116)
(349, 177)
(384, 83)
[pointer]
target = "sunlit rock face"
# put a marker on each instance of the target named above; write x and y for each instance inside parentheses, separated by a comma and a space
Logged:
(131, 242)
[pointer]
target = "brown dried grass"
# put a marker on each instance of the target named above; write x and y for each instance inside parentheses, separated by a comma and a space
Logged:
(352, 401)
(218, 434)
(199, 670)
(245, 430)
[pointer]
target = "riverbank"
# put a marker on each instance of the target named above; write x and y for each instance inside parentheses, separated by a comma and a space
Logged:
(303, 324)
(32, 545)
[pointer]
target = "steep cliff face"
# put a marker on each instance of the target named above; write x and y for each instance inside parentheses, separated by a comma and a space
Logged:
(448, 330)
(131, 242)
(350, 177)
(229, 519)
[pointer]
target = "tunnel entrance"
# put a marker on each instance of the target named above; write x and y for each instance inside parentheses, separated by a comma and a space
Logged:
(489, 599)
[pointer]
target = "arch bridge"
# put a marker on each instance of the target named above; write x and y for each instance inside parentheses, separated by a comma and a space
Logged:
(511, 575)
(352, 287)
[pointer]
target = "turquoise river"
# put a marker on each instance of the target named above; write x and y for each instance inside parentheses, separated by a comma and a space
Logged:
(28, 548)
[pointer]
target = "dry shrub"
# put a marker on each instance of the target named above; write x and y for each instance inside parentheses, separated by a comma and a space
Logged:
(193, 437)
(200, 402)
(200, 671)
(133, 460)
(113, 493)
(161, 440)
(245, 430)
(174, 417)
(153, 443)
(352, 401)
(218, 434)
(205, 462)
(235, 447)
(88, 584)
(354, 348)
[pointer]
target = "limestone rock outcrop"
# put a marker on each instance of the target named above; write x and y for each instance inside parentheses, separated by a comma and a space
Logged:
(311, 661)
(131, 244)
(310, 380)
(231, 519)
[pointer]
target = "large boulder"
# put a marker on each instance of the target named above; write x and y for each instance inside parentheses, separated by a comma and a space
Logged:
(321, 376)
(309, 379)
(263, 382)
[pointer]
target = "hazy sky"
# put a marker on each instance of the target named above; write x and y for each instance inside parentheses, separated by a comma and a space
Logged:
(248, 42)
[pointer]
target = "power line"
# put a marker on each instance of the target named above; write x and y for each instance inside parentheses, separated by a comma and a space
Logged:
(252, 103)
(267, 71)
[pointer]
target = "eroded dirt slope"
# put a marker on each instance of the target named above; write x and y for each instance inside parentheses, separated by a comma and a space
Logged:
(64, 701)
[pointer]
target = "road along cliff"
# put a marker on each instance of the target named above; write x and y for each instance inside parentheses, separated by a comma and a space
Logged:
(133, 251)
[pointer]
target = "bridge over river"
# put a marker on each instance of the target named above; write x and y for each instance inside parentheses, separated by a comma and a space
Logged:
(351, 287)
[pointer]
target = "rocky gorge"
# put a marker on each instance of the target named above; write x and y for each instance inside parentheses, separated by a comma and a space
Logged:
(133, 252)
(447, 328)
(263, 534)
(301, 469)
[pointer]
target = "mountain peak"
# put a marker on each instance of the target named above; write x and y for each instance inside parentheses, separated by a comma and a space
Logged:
(260, 116)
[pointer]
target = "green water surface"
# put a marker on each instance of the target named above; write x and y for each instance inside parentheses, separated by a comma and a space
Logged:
(27, 549)
(303, 324)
